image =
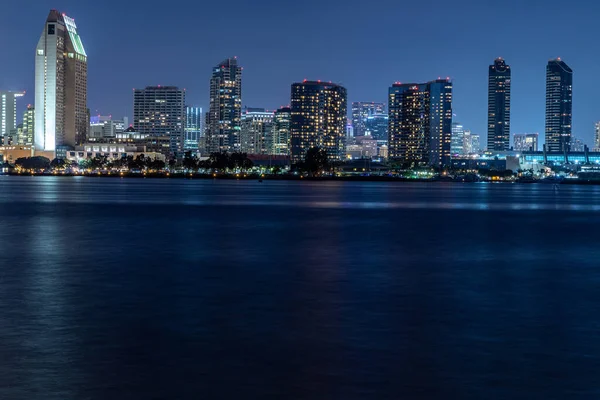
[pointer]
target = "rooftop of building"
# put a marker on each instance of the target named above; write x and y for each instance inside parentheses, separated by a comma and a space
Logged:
(160, 87)
(54, 16)
(439, 80)
(317, 83)
(560, 63)
(232, 61)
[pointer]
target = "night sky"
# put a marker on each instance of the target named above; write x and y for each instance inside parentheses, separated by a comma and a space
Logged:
(366, 45)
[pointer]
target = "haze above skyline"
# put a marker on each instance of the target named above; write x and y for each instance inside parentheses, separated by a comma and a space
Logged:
(365, 46)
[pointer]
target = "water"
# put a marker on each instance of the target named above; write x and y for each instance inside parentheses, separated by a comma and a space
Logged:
(173, 289)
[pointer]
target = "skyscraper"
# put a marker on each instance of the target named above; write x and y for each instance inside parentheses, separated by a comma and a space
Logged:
(377, 126)
(458, 139)
(525, 141)
(361, 111)
(282, 120)
(559, 105)
(576, 145)
(159, 114)
(194, 129)
(597, 136)
(499, 106)
(224, 114)
(475, 143)
(26, 138)
(8, 115)
(467, 142)
(256, 132)
(420, 122)
(318, 119)
(60, 85)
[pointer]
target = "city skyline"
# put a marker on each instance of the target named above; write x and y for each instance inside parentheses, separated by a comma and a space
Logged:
(269, 72)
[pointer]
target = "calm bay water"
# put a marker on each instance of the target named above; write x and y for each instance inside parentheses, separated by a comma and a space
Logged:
(172, 289)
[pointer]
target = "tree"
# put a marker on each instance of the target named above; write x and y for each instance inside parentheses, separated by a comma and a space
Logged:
(247, 163)
(204, 164)
(219, 161)
(172, 164)
(190, 162)
(36, 163)
(98, 162)
(59, 163)
(316, 161)
(158, 165)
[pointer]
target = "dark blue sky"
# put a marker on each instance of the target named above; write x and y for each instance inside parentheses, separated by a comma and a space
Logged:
(364, 45)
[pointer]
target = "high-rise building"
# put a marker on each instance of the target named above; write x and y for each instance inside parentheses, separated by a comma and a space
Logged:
(377, 127)
(559, 105)
(597, 136)
(475, 143)
(61, 119)
(8, 116)
(576, 145)
(159, 114)
(525, 141)
(467, 142)
(256, 132)
(420, 122)
(499, 106)
(194, 129)
(225, 111)
(458, 139)
(361, 111)
(28, 129)
(318, 119)
(282, 120)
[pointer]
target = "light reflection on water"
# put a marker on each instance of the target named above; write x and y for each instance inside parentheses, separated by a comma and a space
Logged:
(125, 288)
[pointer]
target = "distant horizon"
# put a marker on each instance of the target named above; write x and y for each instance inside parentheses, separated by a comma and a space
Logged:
(273, 62)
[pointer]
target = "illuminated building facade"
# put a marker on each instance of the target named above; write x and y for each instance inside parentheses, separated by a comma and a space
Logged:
(525, 141)
(26, 136)
(318, 119)
(499, 106)
(159, 115)
(256, 132)
(61, 119)
(559, 105)
(105, 129)
(458, 139)
(377, 127)
(361, 111)
(8, 116)
(194, 129)
(597, 137)
(225, 111)
(282, 120)
(420, 122)
(475, 142)
(576, 145)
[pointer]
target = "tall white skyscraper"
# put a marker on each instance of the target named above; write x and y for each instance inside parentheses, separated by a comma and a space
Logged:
(8, 115)
(61, 117)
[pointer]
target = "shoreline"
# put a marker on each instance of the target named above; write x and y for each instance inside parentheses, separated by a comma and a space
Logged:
(255, 177)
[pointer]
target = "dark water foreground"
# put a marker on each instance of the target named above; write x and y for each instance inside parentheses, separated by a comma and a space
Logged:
(139, 289)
